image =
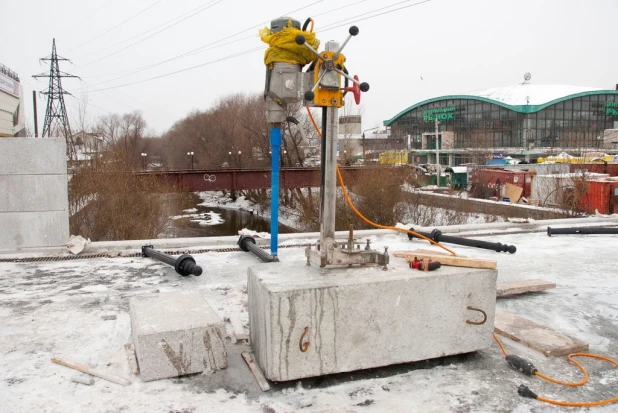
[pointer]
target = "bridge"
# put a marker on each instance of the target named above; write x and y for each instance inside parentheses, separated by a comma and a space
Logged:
(255, 178)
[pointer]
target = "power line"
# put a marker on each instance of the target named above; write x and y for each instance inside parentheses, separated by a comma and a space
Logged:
(144, 32)
(334, 25)
(355, 18)
(184, 70)
(211, 4)
(118, 25)
(206, 47)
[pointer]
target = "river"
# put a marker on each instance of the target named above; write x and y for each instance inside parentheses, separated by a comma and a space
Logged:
(204, 221)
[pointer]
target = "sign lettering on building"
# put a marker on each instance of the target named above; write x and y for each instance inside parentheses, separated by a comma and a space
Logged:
(439, 113)
(611, 108)
(8, 85)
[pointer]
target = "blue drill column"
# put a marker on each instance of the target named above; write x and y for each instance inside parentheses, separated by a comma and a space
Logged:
(275, 143)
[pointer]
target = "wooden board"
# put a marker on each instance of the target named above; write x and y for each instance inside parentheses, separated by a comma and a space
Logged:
(239, 331)
(131, 358)
(85, 369)
(257, 372)
(513, 192)
(447, 259)
(537, 337)
(522, 286)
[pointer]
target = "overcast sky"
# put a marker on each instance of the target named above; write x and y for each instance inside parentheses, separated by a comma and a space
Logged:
(455, 46)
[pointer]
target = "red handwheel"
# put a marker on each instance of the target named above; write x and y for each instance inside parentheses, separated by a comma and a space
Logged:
(355, 89)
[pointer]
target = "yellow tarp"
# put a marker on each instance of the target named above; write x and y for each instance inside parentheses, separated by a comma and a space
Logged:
(283, 47)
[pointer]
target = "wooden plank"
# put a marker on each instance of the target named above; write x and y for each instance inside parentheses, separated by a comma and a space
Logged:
(257, 372)
(88, 370)
(537, 337)
(239, 330)
(448, 259)
(522, 286)
(131, 358)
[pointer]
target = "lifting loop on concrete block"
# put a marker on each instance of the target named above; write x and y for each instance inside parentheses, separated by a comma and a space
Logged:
(303, 346)
(477, 323)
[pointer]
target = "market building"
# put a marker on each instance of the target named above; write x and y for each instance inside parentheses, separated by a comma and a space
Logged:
(524, 121)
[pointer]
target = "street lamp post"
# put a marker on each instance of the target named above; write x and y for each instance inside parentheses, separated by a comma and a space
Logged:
(239, 160)
(144, 155)
(190, 159)
(363, 136)
(437, 133)
(229, 159)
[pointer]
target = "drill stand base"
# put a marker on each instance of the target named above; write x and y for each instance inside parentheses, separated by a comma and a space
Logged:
(329, 253)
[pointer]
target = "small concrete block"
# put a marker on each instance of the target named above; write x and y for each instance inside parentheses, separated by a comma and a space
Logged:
(304, 323)
(176, 334)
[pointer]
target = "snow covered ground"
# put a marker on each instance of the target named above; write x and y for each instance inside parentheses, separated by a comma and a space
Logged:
(54, 309)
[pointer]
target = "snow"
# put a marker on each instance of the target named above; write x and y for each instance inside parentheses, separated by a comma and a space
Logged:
(53, 309)
(209, 218)
(538, 94)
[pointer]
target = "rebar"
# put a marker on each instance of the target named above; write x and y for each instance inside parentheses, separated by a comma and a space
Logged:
(247, 244)
(437, 236)
(184, 265)
(582, 230)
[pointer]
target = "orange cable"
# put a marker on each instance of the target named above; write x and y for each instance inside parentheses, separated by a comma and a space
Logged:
(345, 194)
(573, 384)
(347, 198)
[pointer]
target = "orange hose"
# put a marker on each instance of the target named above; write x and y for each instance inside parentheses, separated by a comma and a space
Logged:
(572, 384)
(347, 198)
(315, 125)
(361, 216)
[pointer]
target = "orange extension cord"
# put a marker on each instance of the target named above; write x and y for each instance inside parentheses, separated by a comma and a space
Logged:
(574, 384)
(361, 216)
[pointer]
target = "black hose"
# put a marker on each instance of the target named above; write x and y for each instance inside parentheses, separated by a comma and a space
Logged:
(437, 236)
(306, 24)
(582, 230)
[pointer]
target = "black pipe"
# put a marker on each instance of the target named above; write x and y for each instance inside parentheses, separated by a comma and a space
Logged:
(437, 236)
(583, 230)
(184, 265)
(247, 243)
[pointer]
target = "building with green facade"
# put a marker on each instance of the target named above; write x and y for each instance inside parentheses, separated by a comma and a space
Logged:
(525, 121)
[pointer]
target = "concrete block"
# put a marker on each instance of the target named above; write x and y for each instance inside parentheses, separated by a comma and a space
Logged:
(359, 318)
(33, 229)
(33, 193)
(176, 334)
(33, 156)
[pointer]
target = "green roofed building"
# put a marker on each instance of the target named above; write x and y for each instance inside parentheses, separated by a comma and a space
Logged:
(523, 120)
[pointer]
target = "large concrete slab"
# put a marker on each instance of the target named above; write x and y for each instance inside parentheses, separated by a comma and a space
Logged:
(176, 334)
(33, 193)
(33, 156)
(359, 318)
(34, 205)
(33, 229)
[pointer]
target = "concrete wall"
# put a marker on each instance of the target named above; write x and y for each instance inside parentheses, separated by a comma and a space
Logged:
(34, 205)
(482, 206)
